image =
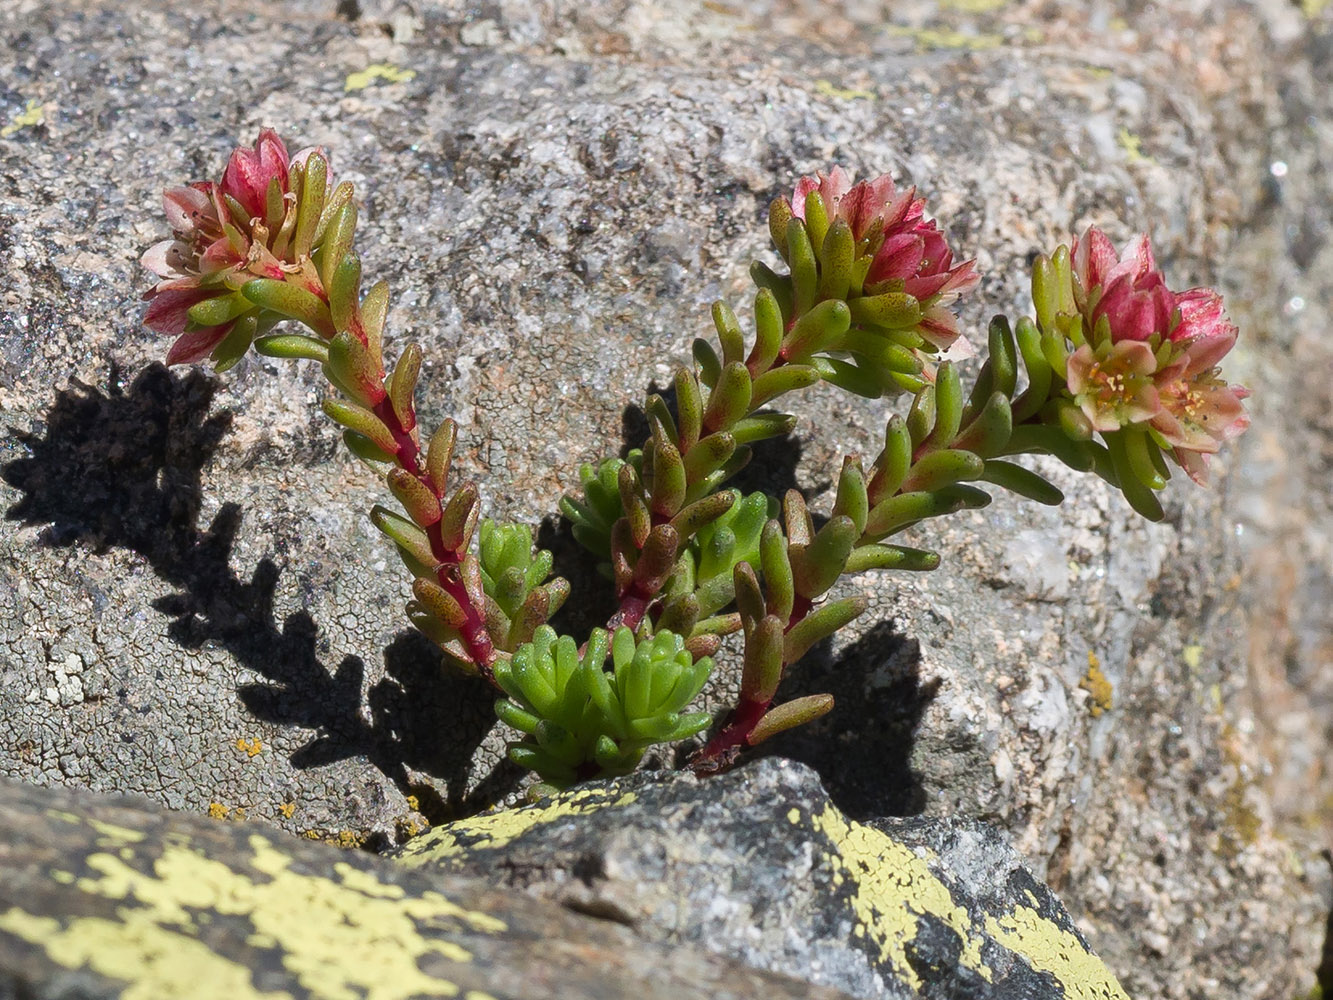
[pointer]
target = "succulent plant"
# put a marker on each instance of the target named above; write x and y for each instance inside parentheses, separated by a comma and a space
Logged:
(1115, 375)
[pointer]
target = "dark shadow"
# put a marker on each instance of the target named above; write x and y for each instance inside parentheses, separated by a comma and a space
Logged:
(862, 749)
(592, 595)
(122, 469)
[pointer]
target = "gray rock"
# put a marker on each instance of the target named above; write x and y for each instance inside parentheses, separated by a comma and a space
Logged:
(104, 897)
(759, 865)
(555, 197)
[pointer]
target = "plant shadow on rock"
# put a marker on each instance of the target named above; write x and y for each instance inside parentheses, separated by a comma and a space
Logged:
(862, 749)
(122, 469)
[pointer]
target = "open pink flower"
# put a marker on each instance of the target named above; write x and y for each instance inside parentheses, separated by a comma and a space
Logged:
(225, 235)
(1114, 385)
(1150, 355)
(907, 251)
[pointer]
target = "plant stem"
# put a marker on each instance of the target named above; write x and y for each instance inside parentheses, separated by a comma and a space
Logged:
(476, 638)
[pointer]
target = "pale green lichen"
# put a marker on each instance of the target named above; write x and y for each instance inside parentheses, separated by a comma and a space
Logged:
(927, 39)
(1047, 947)
(32, 114)
(497, 829)
(827, 88)
(1132, 144)
(893, 889)
(348, 935)
(362, 79)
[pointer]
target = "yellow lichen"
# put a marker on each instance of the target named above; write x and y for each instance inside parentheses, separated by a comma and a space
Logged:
(1050, 948)
(114, 836)
(893, 889)
(945, 38)
(32, 114)
(1133, 146)
(362, 79)
(974, 6)
(1193, 656)
(1100, 692)
(827, 88)
(250, 748)
(347, 935)
(499, 828)
(287, 810)
(216, 810)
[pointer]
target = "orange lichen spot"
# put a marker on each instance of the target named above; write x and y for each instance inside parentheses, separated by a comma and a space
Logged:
(250, 748)
(287, 810)
(1098, 687)
(216, 810)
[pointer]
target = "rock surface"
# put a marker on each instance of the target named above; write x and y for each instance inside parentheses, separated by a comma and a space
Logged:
(103, 897)
(195, 608)
(759, 865)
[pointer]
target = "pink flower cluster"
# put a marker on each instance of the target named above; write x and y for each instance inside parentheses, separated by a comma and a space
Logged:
(226, 234)
(908, 252)
(1151, 354)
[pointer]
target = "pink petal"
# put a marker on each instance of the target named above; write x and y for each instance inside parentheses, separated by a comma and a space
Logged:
(1194, 464)
(1094, 257)
(960, 350)
(1132, 356)
(168, 259)
(939, 326)
(1079, 368)
(249, 172)
(197, 344)
(167, 313)
(898, 257)
(834, 187)
(897, 211)
(961, 278)
(1206, 353)
(926, 285)
(1139, 252)
(803, 187)
(1201, 315)
(859, 207)
(185, 208)
(218, 257)
(1142, 406)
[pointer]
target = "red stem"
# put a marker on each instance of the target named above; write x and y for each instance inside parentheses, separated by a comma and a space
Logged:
(742, 720)
(476, 639)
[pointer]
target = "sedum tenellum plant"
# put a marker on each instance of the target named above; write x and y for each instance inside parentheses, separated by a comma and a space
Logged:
(1113, 374)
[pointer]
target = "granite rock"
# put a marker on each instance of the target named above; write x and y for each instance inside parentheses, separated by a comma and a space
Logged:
(196, 609)
(104, 897)
(759, 866)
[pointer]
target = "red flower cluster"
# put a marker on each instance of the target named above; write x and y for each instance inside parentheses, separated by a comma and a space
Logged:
(1150, 355)
(906, 251)
(227, 234)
